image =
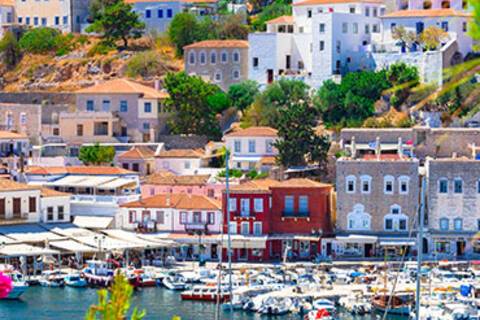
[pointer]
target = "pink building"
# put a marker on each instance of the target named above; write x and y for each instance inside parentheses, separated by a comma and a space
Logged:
(164, 182)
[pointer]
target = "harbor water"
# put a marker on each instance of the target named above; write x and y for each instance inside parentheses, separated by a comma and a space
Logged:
(42, 303)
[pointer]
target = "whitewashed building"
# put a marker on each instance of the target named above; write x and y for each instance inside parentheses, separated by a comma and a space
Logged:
(251, 146)
(19, 202)
(54, 206)
(181, 161)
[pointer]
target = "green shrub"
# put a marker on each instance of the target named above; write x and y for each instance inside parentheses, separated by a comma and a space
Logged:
(145, 64)
(233, 173)
(64, 44)
(39, 40)
(100, 48)
(10, 50)
(219, 101)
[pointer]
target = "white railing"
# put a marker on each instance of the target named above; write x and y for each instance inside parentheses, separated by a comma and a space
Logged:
(106, 199)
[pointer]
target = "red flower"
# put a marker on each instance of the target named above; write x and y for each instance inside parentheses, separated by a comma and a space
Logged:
(5, 285)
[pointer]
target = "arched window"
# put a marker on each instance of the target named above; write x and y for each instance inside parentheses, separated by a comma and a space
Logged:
(458, 224)
(395, 220)
(218, 76)
(350, 182)
(213, 57)
(444, 224)
(403, 184)
(236, 74)
(358, 219)
(443, 185)
(236, 56)
(191, 58)
(365, 184)
(203, 57)
(224, 56)
(427, 4)
(446, 4)
(388, 182)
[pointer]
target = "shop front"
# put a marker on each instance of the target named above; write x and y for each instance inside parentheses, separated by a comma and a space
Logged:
(294, 247)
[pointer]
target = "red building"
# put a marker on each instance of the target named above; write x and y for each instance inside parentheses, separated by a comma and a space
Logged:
(269, 216)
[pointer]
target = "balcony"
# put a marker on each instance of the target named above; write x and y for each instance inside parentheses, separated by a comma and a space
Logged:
(291, 214)
(196, 227)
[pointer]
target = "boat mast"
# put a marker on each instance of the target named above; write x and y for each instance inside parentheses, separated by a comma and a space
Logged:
(229, 239)
(420, 249)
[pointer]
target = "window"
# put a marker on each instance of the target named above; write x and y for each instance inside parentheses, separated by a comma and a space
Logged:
(355, 27)
(27, 20)
(251, 146)
(458, 224)
(478, 186)
(57, 20)
(344, 27)
(388, 184)
(367, 29)
(350, 184)
(146, 126)
(233, 204)
(169, 13)
(56, 131)
(288, 204)
(444, 224)
(187, 165)
(257, 228)
(23, 118)
(395, 220)
(322, 45)
(44, 22)
(147, 107)
(211, 217)
(303, 204)
(135, 167)
(123, 106)
(365, 184)
(255, 62)
(367, 12)
(79, 130)
(258, 204)
(443, 186)
(35, 21)
(160, 217)
(232, 227)
(321, 27)
(236, 56)
(183, 217)
(236, 74)
(106, 105)
(403, 182)
(218, 76)
(160, 13)
(191, 58)
(375, 12)
(245, 207)
(65, 20)
(237, 144)
(375, 28)
(464, 26)
(224, 57)
(148, 13)
(393, 26)
(309, 13)
(203, 58)
(19, 19)
(49, 213)
(269, 145)
(213, 57)
(445, 26)
(358, 219)
(245, 228)
(60, 213)
(32, 204)
(131, 216)
(197, 217)
(402, 224)
(339, 46)
(352, 9)
(388, 224)
(458, 186)
(90, 105)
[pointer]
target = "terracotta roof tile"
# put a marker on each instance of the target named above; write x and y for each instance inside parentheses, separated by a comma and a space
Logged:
(181, 153)
(10, 185)
(259, 186)
(218, 44)
(326, 2)
(301, 183)
(119, 86)
(281, 19)
(11, 135)
(177, 201)
(254, 132)
(93, 170)
(137, 153)
(268, 160)
(7, 3)
(428, 13)
(48, 193)
(173, 180)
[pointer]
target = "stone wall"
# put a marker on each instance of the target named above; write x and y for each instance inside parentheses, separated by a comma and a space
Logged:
(38, 98)
(183, 142)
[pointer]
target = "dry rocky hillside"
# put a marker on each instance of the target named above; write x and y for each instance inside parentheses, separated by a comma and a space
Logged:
(80, 68)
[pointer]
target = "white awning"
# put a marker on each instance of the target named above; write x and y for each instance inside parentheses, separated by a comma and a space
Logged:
(247, 158)
(116, 183)
(93, 222)
(34, 236)
(293, 237)
(245, 242)
(72, 246)
(133, 238)
(7, 240)
(397, 243)
(18, 250)
(69, 181)
(84, 181)
(353, 238)
(107, 243)
(73, 232)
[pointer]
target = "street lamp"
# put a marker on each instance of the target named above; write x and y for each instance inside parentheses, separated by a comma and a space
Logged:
(100, 240)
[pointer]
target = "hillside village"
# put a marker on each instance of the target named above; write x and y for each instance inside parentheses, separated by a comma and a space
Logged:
(325, 117)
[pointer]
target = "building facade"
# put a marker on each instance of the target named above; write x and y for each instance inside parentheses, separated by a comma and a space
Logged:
(222, 62)
(181, 161)
(19, 203)
(138, 159)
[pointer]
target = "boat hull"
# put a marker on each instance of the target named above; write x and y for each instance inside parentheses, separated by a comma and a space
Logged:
(205, 297)
(16, 292)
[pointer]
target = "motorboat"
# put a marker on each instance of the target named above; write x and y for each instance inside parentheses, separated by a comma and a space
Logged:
(325, 304)
(75, 280)
(398, 304)
(174, 282)
(19, 285)
(355, 304)
(98, 273)
(320, 314)
(276, 306)
(206, 293)
(141, 278)
(52, 278)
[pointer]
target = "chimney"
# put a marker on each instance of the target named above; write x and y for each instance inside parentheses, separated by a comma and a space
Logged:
(152, 135)
(167, 200)
(353, 148)
(156, 84)
(400, 148)
(378, 149)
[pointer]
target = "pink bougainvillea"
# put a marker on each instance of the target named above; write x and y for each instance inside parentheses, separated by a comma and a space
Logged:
(5, 285)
